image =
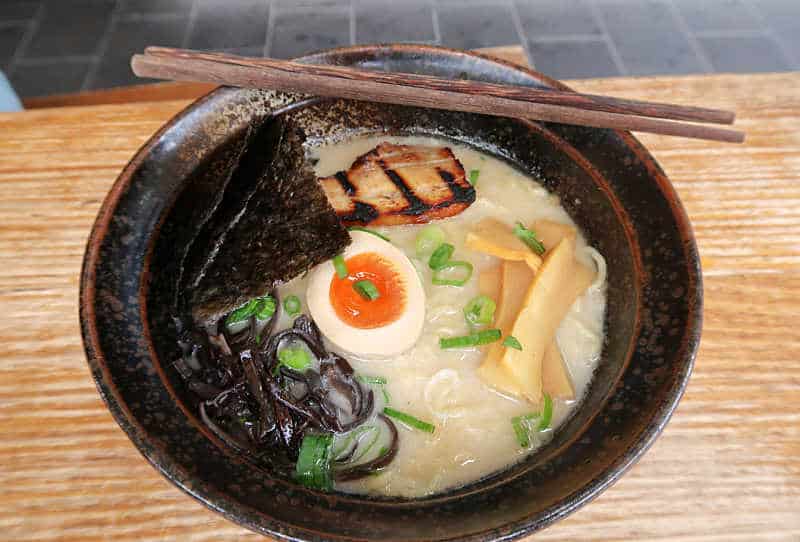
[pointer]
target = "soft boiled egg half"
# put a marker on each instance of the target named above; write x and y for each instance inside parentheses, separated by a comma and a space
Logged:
(383, 324)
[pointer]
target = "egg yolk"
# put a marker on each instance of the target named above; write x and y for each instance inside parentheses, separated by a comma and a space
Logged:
(356, 311)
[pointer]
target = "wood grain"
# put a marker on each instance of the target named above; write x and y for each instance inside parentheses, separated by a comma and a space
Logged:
(149, 92)
(727, 467)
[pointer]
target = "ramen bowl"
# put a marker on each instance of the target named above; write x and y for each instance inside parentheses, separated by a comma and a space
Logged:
(607, 182)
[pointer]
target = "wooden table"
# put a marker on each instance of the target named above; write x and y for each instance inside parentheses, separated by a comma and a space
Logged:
(726, 468)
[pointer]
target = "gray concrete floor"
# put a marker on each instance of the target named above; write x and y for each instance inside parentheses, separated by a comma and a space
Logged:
(53, 46)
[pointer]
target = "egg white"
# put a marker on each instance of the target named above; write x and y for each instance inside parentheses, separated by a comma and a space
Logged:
(380, 342)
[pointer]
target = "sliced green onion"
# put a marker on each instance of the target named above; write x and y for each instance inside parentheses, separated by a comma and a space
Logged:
(367, 230)
(521, 431)
(547, 414)
(512, 342)
(441, 256)
(522, 425)
(428, 239)
(366, 289)
(292, 305)
(266, 308)
(456, 342)
(487, 336)
(340, 266)
(473, 176)
(376, 381)
(529, 238)
(480, 311)
(409, 420)
(294, 357)
(242, 313)
(261, 307)
(313, 467)
(372, 379)
(473, 339)
(440, 277)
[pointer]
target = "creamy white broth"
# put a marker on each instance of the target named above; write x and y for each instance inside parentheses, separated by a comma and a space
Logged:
(473, 436)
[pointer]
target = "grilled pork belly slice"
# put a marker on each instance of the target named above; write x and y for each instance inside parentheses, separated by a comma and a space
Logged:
(399, 184)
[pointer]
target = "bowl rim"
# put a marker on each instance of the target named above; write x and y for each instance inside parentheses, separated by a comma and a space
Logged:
(231, 508)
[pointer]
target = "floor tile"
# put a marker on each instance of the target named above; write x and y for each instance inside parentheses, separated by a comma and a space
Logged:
(229, 24)
(70, 28)
(11, 10)
(115, 72)
(566, 37)
(9, 40)
(743, 54)
(791, 45)
(129, 37)
(726, 15)
(468, 27)
(298, 32)
(285, 4)
(783, 18)
(780, 15)
(156, 7)
(380, 21)
(573, 59)
(556, 18)
(245, 51)
(52, 78)
(648, 38)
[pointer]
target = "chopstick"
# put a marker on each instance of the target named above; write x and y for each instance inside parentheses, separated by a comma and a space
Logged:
(434, 92)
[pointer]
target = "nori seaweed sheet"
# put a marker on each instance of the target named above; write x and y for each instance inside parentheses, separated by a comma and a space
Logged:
(272, 224)
(262, 138)
(198, 202)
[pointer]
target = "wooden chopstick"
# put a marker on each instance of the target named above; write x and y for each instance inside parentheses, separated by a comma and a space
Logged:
(526, 94)
(434, 92)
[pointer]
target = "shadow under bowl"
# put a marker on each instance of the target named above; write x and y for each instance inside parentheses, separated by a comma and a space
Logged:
(607, 182)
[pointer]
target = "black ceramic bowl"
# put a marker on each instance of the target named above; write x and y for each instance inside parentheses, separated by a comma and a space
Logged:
(608, 183)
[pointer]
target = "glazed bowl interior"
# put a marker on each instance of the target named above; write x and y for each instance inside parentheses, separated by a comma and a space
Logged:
(528, 147)
(652, 317)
